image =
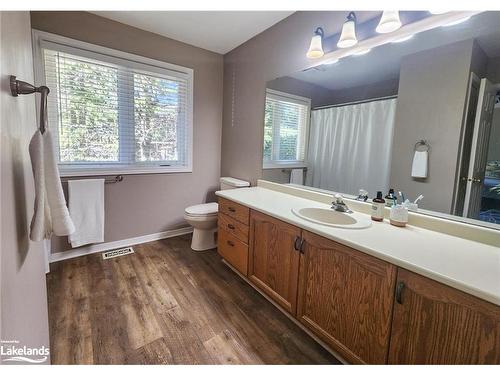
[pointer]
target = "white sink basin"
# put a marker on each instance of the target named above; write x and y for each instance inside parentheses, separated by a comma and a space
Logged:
(332, 218)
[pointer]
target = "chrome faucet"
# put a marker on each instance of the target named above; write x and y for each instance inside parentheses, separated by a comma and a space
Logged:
(339, 204)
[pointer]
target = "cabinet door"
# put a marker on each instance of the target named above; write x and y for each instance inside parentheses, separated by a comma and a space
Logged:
(273, 262)
(346, 298)
(436, 324)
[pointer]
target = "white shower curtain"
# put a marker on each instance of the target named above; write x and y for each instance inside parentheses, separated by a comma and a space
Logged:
(350, 147)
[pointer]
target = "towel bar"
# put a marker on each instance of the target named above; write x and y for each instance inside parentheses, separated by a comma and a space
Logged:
(114, 180)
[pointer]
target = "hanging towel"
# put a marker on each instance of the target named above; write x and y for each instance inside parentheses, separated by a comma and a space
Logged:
(86, 206)
(62, 225)
(419, 166)
(41, 226)
(297, 176)
(51, 214)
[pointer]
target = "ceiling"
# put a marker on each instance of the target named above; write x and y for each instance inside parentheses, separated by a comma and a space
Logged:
(383, 63)
(215, 31)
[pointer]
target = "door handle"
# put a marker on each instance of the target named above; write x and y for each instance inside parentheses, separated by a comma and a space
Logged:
(230, 243)
(231, 226)
(231, 209)
(399, 292)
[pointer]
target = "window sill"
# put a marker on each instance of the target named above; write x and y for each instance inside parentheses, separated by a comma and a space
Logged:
(83, 172)
(285, 165)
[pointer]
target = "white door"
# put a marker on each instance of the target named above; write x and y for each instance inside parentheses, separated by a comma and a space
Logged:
(479, 149)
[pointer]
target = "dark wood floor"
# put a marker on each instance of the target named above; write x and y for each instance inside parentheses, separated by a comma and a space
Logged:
(166, 304)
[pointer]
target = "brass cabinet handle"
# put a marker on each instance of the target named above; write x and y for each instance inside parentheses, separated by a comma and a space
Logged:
(231, 209)
(301, 247)
(230, 243)
(231, 226)
(399, 292)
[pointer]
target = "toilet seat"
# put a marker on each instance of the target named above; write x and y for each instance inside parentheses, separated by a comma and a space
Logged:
(203, 210)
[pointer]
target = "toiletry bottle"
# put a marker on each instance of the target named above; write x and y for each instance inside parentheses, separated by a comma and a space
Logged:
(390, 198)
(378, 207)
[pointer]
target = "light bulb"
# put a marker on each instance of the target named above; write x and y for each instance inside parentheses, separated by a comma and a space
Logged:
(316, 47)
(389, 22)
(348, 34)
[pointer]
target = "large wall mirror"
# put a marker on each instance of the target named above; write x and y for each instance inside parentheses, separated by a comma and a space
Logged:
(421, 116)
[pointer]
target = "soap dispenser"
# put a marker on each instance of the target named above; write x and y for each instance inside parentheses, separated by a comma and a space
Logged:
(390, 198)
(378, 205)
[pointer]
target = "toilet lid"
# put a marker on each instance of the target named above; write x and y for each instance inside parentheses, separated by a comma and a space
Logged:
(203, 209)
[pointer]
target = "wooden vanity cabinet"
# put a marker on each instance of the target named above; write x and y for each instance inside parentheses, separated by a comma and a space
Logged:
(366, 309)
(345, 297)
(232, 239)
(273, 262)
(436, 324)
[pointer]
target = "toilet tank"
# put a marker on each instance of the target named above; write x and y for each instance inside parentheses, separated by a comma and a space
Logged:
(232, 183)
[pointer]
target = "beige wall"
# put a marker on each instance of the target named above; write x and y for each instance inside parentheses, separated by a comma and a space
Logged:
(431, 99)
(494, 144)
(23, 309)
(318, 94)
(145, 204)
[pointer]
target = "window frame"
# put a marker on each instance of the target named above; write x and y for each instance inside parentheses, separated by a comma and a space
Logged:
(276, 164)
(154, 67)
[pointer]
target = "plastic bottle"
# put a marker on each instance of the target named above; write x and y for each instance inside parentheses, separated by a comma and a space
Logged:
(390, 198)
(378, 205)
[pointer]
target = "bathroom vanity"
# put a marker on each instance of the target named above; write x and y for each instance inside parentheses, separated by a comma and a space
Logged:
(375, 295)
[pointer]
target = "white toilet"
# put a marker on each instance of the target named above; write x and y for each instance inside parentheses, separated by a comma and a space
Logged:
(203, 217)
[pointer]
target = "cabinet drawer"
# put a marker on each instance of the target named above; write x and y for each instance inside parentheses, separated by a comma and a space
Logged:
(233, 251)
(234, 210)
(237, 229)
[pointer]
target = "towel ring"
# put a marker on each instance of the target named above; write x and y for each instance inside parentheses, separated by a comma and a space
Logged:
(420, 143)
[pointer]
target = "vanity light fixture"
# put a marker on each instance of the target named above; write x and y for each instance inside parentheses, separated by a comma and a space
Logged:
(403, 39)
(457, 22)
(348, 36)
(389, 22)
(362, 52)
(331, 62)
(316, 48)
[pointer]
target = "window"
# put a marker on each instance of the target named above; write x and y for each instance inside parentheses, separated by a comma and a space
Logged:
(115, 112)
(286, 122)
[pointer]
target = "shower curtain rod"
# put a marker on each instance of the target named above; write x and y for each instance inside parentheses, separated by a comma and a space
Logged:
(355, 102)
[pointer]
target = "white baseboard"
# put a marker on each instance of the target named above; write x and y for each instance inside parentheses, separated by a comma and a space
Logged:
(97, 248)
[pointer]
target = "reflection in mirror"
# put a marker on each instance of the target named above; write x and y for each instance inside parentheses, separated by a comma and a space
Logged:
(421, 117)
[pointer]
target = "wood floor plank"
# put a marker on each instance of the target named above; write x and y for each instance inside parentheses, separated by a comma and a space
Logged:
(141, 325)
(227, 350)
(110, 340)
(166, 304)
(70, 323)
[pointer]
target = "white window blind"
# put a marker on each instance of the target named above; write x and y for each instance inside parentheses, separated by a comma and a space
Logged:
(285, 128)
(109, 113)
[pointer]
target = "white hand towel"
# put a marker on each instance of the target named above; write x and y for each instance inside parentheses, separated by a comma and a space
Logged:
(62, 225)
(41, 226)
(297, 176)
(419, 166)
(50, 214)
(86, 206)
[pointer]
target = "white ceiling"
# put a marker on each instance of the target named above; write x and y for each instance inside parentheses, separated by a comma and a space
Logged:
(212, 30)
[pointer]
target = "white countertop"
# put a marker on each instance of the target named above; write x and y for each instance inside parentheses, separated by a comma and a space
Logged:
(466, 265)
